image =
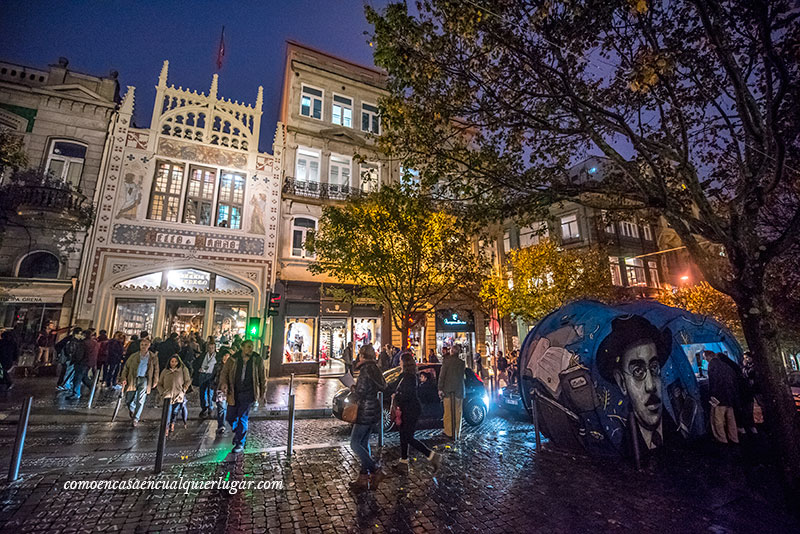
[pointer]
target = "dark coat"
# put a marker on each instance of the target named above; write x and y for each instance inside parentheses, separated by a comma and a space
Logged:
(406, 396)
(370, 382)
(114, 350)
(92, 349)
(9, 353)
(167, 348)
(723, 384)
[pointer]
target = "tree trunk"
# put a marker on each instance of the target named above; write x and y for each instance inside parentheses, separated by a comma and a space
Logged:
(404, 331)
(780, 414)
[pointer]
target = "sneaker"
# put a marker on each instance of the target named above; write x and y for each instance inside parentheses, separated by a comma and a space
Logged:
(436, 460)
(238, 449)
(220, 431)
(61, 388)
(135, 423)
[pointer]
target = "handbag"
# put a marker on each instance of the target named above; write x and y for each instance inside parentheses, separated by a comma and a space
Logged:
(396, 414)
(350, 412)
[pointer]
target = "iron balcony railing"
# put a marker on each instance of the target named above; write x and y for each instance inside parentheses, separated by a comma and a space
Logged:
(28, 197)
(304, 188)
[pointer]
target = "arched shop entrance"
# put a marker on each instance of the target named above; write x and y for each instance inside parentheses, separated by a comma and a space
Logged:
(180, 300)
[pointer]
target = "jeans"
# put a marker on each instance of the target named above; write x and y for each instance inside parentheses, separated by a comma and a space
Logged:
(179, 408)
(359, 442)
(81, 372)
(68, 374)
(407, 438)
(136, 399)
(237, 416)
(222, 408)
(110, 371)
(206, 391)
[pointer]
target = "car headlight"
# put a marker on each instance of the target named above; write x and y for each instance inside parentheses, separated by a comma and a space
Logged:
(486, 400)
(501, 391)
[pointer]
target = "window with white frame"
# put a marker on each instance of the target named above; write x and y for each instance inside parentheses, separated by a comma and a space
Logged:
(65, 161)
(306, 172)
(616, 273)
(652, 268)
(370, 121)
(231, 200)
(533, 234)
(370, 177)
(647, 232)
(342, 111)
(339, 174)
(301, 227)
(311, 102)
(506, 241)
(569, 227)
(166, 195)
(199, 205)
(629, 229)
(634, 270)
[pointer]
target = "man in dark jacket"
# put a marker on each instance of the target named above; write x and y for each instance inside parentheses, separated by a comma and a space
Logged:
(244, 381)
(114, 359)
(365, 392)
(133, 346)
(384, 360)
(167, 348)
(66, 349)
(9, 353)
(724, 395)
(80, 361)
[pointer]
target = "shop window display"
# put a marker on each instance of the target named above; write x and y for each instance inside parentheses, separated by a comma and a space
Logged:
(131, 316)
(230, 318)
(333, 340)
(299, 340)
(367, 331)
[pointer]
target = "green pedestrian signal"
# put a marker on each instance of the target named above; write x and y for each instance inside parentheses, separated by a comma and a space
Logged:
(254, 328)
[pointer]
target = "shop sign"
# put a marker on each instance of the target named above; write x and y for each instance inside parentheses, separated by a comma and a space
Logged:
(129, 234)
(33, 295)
(450, 321)
(336, 309)
(23, 299)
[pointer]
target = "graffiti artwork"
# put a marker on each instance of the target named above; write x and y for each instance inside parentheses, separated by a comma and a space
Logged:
(601, 370)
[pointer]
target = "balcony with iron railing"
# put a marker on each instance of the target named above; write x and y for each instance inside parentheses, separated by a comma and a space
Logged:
(317, 190)
(32, 195)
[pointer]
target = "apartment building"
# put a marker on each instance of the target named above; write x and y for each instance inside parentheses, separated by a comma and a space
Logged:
(328, 122)
(62, 117)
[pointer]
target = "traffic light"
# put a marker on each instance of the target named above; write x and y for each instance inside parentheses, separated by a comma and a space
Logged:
(253, 328)
(273, 304)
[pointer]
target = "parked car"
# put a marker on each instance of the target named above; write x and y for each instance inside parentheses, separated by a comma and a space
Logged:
(508, 397)
(475, 405)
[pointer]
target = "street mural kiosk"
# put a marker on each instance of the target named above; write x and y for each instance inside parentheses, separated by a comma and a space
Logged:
(596, 369)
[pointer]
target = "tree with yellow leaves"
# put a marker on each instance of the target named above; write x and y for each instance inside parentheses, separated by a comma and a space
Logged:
(705, 300)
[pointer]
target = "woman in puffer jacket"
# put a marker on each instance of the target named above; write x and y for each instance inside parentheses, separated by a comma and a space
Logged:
(172, 385)
(365, 392)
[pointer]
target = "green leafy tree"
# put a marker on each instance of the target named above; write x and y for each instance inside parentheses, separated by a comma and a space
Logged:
(12, 152)
(544, 277)
(693, 102)
(705, 300)
(401, 247)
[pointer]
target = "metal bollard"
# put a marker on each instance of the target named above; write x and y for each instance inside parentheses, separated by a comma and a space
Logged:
(94, 387)
(22, 430)
(290, 433)
(453, 416)
(162, 434)
(535, 420)
(383, 422)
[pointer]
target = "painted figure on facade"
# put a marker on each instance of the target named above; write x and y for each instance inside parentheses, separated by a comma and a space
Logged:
(132, 196)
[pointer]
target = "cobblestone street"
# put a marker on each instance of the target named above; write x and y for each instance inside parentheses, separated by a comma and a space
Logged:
(494, 481)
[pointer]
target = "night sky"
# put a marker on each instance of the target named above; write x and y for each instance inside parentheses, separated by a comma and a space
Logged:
(135, 37)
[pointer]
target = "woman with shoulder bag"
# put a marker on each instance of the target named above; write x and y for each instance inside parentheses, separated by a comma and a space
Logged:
(406, 402)
(365, 393)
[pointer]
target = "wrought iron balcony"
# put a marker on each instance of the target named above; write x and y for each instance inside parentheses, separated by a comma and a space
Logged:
(29, 197)
(303, 188)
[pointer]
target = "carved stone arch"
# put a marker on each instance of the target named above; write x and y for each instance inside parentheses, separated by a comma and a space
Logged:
(142, 270)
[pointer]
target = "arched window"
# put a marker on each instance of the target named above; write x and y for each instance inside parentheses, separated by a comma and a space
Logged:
(65, 161)
(39, 265)
(300, 230)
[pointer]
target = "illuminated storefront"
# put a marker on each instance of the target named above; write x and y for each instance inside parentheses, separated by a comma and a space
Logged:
(455, 329)
(181, 300)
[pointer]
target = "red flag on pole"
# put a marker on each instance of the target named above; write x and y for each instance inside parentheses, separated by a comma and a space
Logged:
(221, 51)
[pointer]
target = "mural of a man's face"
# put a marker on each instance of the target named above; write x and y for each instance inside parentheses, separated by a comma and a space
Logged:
(639, 377)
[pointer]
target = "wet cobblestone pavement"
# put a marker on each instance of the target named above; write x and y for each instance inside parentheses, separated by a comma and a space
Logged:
(493, 481)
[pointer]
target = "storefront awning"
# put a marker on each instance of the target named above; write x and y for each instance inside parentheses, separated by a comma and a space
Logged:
(34, 293)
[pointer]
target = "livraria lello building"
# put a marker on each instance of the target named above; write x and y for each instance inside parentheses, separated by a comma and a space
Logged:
(187, 214)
